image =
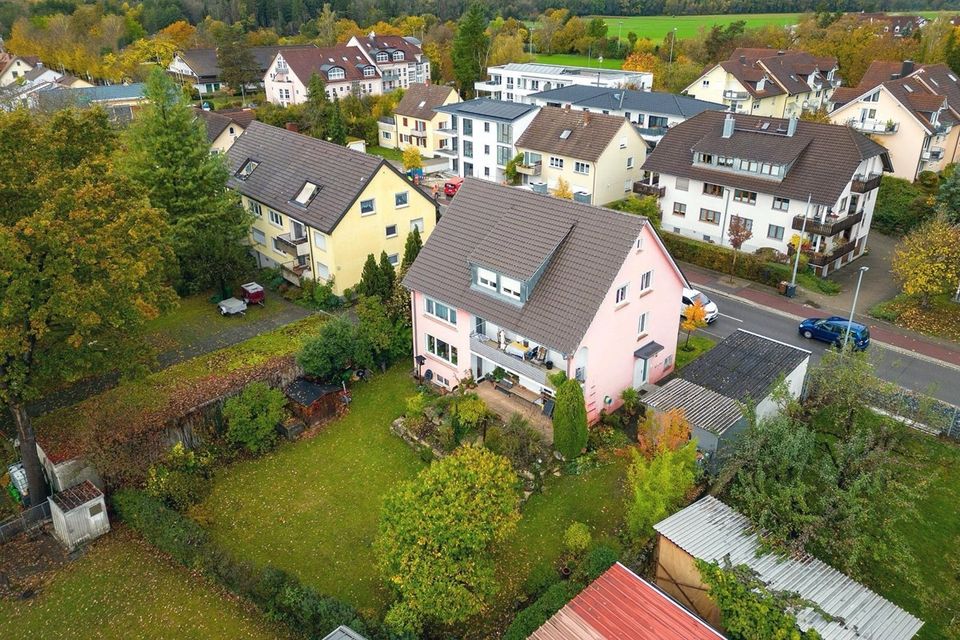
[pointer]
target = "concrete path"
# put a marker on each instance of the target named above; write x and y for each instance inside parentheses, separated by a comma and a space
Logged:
(878, 283)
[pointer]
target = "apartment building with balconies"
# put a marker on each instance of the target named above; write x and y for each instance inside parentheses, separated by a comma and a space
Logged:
(781, 178)
(515, 81)
(400, 59)
(911, 110)
(415, 121)
(319, 209)
(598, 156)
(524, 285)
(481, 136)
(768, 82)
(344, 69)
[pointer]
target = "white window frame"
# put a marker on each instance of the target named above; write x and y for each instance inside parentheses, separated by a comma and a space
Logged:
(433, 348)
(646, 281)
(487, 279)
(406, 199)
(556, 163)
(620, 295)
(386, 231)
(319, 241)
(583, 168)
(373, 205)
(254, 207)
(781, 204)
(263, 236)
(510, 287)
(630, 162)
(393, 258)
(432, 308)
(336, 73)
(276, 219)
(321, 270)
(416, 223)
(643, 324)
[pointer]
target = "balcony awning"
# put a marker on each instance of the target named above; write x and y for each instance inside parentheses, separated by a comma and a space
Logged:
(648, 350)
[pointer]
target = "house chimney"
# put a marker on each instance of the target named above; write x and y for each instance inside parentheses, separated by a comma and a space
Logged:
(906, 69)
(728, 123)
(293, 126)
(586, 118)
(792, 126)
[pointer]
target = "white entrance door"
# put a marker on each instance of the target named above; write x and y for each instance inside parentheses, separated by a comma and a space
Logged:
(639, 373)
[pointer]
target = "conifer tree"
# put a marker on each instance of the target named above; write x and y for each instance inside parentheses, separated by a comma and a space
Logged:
(388, 277)
(470, 48)
(337, 130)
(412, 247)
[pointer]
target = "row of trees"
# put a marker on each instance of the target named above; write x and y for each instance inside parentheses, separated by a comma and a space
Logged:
(97, 237)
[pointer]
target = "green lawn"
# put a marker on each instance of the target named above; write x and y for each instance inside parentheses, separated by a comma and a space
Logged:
(931, 537)
(312, 507)
(699, 344)
(656, 28)
(572, 59)
(123, 589)
(390, 154)
(196, 318)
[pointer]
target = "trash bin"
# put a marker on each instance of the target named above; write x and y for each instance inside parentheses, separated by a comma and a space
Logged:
(791, 290)
(782, 287)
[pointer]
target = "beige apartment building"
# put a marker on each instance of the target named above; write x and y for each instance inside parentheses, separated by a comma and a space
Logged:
(415, 123)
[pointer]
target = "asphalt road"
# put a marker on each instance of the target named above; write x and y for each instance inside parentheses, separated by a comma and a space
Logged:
(917, 373)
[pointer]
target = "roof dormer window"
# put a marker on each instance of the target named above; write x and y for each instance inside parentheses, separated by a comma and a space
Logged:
(336, 73)
(382, 56)
(369, 72)
(397, 56)
(246, 169)
(307, 193)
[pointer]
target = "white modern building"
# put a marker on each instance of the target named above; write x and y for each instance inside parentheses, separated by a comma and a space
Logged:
(482, 136)
(515, 81)
(781, 178)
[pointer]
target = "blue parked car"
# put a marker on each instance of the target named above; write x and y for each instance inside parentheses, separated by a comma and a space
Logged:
(833, 329)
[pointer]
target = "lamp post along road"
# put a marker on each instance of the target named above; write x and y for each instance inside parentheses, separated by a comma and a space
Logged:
(856, 294)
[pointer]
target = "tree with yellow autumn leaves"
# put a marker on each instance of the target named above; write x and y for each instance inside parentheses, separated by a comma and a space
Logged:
(927, 261)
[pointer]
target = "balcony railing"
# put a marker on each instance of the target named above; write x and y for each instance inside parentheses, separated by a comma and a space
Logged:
(530, 169)
(293, 246)
(823, 259)
(447, 151)
(527, 368)
(830, 226)
(649, 189)
(874, 126)
(735, 95)
(862, 184)
(652, 131)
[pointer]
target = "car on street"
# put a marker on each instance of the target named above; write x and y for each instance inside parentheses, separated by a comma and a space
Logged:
(833, 330)
(690, 296)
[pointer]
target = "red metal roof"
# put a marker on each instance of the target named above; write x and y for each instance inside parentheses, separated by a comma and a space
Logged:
(620, 604)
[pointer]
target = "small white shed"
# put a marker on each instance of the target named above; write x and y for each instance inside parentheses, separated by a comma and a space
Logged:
(79, 514)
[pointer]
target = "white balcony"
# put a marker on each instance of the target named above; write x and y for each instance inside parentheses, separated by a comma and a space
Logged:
(488, 86)
(880, 127)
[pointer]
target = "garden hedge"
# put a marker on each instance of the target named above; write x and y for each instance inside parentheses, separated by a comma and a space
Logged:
(279, 595)
(531, 618)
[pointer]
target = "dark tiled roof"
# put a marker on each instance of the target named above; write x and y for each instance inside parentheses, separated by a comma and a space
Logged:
(830, 156)
(203, 62)
(877, 73)
(786, 71)
(420, 100)
(488, 108)
(214, 122)
(374, 44)
(565, 300)
(657, 102)
(589, 133)
(745, 366)
(76, 496)
(306, 62)
(287, 160)
(305, 393)
(242, 117)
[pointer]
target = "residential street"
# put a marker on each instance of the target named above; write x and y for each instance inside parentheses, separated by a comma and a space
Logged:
(912, 372)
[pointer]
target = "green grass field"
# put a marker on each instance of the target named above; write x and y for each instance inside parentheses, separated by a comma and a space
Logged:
(123, 589)
(572, 59)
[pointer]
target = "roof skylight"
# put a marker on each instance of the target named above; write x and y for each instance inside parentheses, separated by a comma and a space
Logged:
(246, 169)
(307, 193)
(565, 134)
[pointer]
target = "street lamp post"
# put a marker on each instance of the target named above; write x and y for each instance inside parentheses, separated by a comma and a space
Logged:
(673, 38)
(599, 66)
(619, 34)
(856, 294)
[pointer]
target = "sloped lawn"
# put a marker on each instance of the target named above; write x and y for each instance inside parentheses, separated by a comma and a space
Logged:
(311, 507)
(123, 589)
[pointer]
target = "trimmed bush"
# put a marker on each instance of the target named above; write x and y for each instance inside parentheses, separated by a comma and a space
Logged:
(253, 416)
(577, 538)
(531, 618)
(163, 527)
(598, 559)
(182, 479)
(543, 576)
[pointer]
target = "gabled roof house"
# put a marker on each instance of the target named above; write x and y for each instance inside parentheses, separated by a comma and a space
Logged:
(911, 109)
(344, 69)
(516, 282)
(415, 121)
(201, 68)
(319, 209)
(598, 156)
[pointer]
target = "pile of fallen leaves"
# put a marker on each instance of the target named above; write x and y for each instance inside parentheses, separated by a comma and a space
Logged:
(941, 318)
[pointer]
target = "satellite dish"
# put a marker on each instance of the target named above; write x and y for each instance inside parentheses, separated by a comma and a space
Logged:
(429, 374)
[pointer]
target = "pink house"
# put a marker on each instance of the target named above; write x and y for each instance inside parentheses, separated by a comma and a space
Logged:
(525, 284)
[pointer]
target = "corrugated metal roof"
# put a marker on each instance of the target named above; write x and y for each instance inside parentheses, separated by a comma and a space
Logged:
(619, 605)
(710, 530)
(703, 408)
(344, 632)
(745, 366)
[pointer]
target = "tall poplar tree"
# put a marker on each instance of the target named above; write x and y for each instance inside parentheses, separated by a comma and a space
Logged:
(167, 152)
(83, 256)
(470, 47)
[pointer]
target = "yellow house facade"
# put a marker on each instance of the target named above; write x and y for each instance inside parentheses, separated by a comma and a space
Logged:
(599, 156)
(414, 121)
(319, 209)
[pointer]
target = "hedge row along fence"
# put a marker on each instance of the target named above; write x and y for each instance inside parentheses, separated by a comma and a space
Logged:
(277, 594)
(122, 431)
(749, 266)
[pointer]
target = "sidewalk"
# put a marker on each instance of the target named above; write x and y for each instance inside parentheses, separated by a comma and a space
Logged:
(766, 297)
